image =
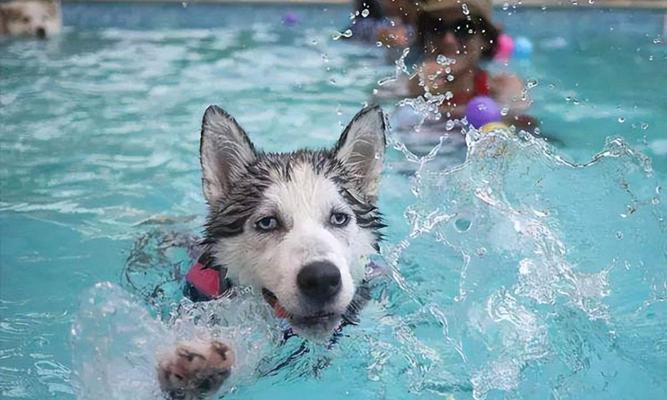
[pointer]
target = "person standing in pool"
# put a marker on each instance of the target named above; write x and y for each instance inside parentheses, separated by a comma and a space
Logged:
(368, 19)
(454, 37)
(389, 22)
(402, 14)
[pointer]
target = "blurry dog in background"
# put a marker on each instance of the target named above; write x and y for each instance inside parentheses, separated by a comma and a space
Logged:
(39, 18)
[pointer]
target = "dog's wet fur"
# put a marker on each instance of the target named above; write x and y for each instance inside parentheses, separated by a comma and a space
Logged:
(195, 370)
(296, 227)
(37, 18)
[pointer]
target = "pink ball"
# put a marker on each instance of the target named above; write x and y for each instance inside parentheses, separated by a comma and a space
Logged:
(505, 47)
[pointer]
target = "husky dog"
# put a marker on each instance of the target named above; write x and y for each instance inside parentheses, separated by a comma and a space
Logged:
(296, 227)
(39, 18)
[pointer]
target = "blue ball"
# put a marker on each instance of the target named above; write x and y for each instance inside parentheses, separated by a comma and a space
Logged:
(523, 48)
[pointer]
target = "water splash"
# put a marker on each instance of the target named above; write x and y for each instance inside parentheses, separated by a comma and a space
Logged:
(533, 261)
(117, 342)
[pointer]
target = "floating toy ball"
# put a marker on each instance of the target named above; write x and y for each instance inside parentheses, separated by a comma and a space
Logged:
(290, 18)
(523, 48)
(505, 47)
(483, 113)
(481, 110)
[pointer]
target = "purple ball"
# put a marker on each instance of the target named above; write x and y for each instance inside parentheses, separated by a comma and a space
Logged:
(481, 110)
(290, 18)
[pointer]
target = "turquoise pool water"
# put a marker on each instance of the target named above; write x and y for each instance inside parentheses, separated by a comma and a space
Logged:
(528, 272)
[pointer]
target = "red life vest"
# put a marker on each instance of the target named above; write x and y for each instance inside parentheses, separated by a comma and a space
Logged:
(206, 281)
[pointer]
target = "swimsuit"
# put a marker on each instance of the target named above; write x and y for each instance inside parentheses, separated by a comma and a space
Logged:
(481, 88)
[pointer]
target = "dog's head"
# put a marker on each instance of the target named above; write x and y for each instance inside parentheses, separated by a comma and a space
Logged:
(39, 18)
(295, 226)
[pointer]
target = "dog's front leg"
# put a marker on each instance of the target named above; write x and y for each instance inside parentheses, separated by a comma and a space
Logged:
(195, 370)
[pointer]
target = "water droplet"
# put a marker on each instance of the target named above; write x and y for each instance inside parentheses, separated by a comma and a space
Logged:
(644, 126)
(462, 224)
(365, 12)
(338, 35)
(627, 265)
(385, 80)
(332, 81)
(184, 4)
(443, 60)
(504, 111)
(621, 120)
(464, 7)
(657, 40)
(506, 6)
(531, 83)
(619, 235)
(450, 78)
(449, 125)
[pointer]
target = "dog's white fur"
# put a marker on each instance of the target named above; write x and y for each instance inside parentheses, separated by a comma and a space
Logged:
(30, 18)
(304, 203)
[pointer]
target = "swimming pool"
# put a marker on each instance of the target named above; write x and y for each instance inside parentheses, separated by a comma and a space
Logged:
(516, 275)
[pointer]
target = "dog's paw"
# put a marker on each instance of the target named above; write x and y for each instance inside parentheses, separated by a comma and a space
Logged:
(195, 370)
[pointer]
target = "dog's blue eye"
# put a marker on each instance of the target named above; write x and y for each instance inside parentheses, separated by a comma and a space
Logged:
(267, 224)
(339, 219)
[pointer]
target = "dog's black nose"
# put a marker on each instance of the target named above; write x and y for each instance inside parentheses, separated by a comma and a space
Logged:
(41, 32)
(319, 281)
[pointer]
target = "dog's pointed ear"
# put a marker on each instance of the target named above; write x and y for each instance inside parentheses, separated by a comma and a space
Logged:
(224, 150)
(361, 148)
